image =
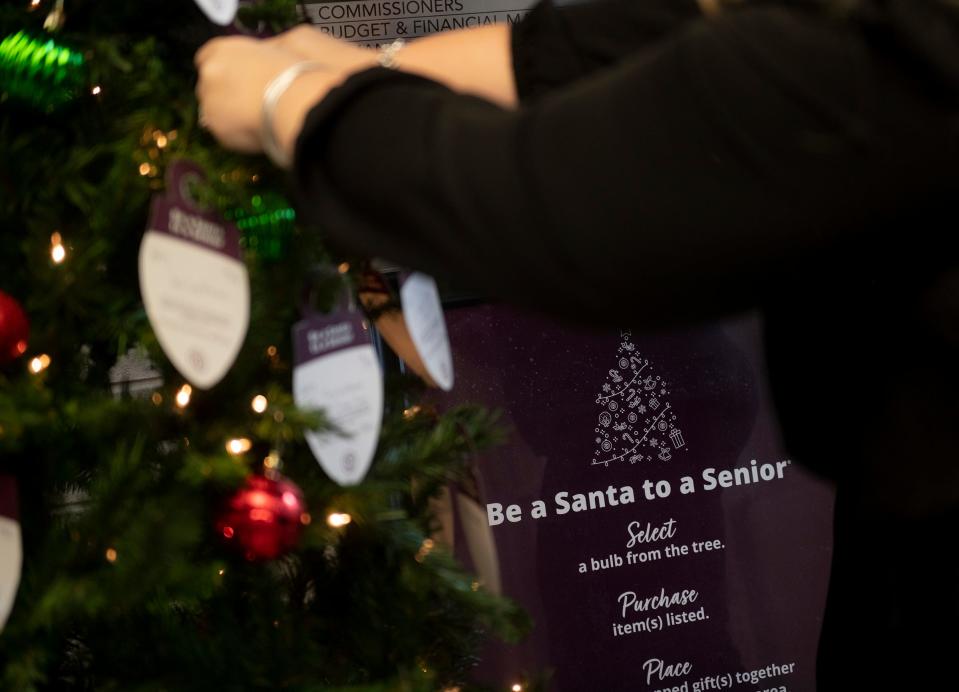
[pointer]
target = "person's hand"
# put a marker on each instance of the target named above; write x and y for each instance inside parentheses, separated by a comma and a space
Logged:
(312, 44)
(232, 75)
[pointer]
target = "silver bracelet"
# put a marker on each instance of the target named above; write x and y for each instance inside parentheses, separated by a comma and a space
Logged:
(388, 52)
(271, 98)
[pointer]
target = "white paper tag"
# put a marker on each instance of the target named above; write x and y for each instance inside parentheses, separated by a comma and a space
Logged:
(11, 550)
(336, 370)
(220, 12)
(195, 289)
(423, 314)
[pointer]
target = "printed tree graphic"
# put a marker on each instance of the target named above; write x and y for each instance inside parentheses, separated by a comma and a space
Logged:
(635, 422)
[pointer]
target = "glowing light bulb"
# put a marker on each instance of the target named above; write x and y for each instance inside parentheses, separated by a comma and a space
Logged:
(338, 519)
(58, 253)
(111, 555)
(517, 687)
(96, 91)
(344, 267)
(183, 396)
(259, 403)
(238, 445)
(39, 363)
(272, 460)
(426, 547)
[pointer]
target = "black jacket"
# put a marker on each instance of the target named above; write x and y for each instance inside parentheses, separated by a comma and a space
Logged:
(799, 158)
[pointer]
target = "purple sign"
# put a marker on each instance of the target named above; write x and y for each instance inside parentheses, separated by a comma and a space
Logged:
(318, 336)
(178, 214)
(644, 512)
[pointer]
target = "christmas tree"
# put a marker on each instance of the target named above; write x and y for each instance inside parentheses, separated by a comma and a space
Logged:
(636, 422)
(178, 536)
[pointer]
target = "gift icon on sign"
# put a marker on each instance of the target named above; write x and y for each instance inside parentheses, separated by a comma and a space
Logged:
(677, 437)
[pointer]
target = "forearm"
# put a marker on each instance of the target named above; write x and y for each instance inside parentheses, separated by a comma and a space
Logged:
(552, 47)
(480, 61)
(473, 61)
(672, 176)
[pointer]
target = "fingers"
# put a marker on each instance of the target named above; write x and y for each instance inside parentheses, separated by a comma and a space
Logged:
(203, 53)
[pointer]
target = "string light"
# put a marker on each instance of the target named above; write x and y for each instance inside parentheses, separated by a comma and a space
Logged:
(517, 687)
(266, 224)
(111, 555)
(58, 253)
(156, 398)
(97, 90)
(39, 363)
(411, 412)
(425, 549)
(34, 4)
(144, 169)
(160, 139)
(221, 572)
(306, 519)
(343, 268)
(183, 396)
(238, 445)
(272, 460)
(259, 403)
(271, 351)
(338, 520)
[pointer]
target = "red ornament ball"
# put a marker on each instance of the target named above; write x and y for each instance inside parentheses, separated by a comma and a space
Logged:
(14, 329)
(264, 518)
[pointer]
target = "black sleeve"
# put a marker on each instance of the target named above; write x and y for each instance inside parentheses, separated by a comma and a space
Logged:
(553, 46)
(684, 182)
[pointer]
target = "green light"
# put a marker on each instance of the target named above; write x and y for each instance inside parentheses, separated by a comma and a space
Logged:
(40, 72)
(267, 224)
